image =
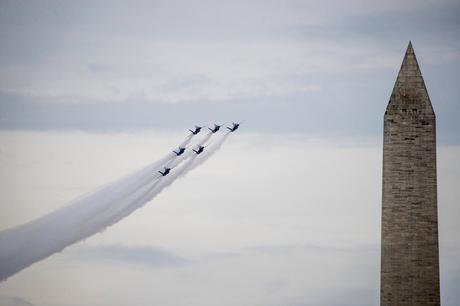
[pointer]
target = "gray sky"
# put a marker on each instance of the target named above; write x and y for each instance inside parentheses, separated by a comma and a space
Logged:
(288, 212)
(268, 220)
(291, 66)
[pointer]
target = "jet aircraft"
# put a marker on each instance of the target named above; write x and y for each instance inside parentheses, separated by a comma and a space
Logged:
(215, 128)
(196, 130)
(199, 150)
(165, 171)
(180, 151)
(234, 127)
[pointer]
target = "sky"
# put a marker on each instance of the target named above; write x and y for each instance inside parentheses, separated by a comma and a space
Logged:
(282, 65)
(287, 212)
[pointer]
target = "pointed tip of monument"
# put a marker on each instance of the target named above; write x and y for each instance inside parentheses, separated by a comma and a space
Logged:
(410, 49)
(409, 65)
(409, 87)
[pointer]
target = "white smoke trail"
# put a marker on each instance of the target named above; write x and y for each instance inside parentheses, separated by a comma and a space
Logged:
(186, 155)
(209, 152)
(191, 163)
(23, 245)
(186, 140)
(114, 212)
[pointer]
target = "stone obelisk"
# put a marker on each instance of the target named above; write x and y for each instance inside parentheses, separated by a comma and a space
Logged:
(410, 256)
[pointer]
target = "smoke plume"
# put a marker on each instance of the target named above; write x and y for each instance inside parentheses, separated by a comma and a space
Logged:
(25, 244)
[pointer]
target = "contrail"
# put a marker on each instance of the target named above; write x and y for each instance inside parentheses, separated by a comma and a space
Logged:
(186, 141)
(25, 244)
(181, 170)
(209, 152)
(179, 159)
(183, 164)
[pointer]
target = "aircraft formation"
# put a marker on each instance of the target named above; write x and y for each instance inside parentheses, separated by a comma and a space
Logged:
(200, 148)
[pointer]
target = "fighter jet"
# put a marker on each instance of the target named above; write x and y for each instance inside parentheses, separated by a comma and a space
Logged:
(180, 151)
(165, 171)
(196, 130)
(200, 150)
(234, 127)
(215, 128)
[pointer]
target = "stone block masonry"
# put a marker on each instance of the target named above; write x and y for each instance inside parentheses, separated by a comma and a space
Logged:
(410, 255)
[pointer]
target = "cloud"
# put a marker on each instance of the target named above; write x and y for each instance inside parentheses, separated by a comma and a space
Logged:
(276, 285)
(287, 249)
(297, 71)
(175, 52)
(251, 219)
(13, 301)
(283, 66)
(142, 255)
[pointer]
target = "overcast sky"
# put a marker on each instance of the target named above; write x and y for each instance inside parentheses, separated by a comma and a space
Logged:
(288, 212)
(266, 221)
(323, 67)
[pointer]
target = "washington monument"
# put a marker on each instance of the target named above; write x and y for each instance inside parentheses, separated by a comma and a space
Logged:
(410, 256)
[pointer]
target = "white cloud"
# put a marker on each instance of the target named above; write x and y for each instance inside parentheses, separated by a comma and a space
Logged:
(267, 221)
(188, 51)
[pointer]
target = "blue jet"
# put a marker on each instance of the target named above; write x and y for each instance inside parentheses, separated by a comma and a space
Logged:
(234, 127)
(196, 130)
(200, 150)
(180, 151)
(215, 128)
(165, 171)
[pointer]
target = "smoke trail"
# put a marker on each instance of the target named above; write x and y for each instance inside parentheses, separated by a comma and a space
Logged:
(181, 168)
(71, 222)
(186, 141)
(191, 163)
(186, 155)
(182, 164)
(25, 244)
(209, 152)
